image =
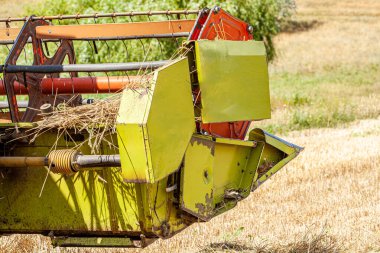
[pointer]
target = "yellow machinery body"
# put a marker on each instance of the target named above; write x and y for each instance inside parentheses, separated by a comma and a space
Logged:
(171, 173)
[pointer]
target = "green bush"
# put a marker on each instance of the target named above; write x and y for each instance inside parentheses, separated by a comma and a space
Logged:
(264, 15)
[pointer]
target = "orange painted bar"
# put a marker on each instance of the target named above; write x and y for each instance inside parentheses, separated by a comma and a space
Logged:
(114, 30)
(83, 85)
(99, 31)
(9, 34)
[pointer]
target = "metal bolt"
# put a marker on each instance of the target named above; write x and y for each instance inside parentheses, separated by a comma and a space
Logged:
(46, 109)
(250, 29)
(216, 9)
(87, 101)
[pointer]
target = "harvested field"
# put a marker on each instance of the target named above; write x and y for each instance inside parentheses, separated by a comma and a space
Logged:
(331, 188)
(328, 198)
(330, 193)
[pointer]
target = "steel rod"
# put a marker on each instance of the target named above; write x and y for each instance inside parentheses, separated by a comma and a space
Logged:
(20, 104)
(81, 162)
(86, 161)
(103, 15)
(22, 161)
(105, 67)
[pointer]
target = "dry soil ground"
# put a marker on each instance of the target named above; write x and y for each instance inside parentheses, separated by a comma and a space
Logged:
(333, 188)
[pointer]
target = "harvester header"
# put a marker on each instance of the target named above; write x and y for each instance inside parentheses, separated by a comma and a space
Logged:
(123, 152)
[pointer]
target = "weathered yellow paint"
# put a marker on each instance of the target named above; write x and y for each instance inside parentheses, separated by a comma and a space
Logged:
(162, 161)
(197, 178)
(233, 79)
(214, 167)
(275, 153)
(225, 171)
(165, 218)
(170, 122)
(155, 125)
(87, 202)
(133, 153)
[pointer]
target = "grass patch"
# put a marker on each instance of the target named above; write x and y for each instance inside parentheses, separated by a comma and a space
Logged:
(334, 96)
(305, 120)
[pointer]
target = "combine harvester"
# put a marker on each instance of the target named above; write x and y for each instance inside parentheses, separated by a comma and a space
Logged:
(179, 150)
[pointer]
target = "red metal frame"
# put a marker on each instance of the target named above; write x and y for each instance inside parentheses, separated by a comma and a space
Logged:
(32, 81)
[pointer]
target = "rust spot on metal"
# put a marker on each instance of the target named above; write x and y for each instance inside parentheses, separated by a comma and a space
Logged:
(163, 230)
(264, 168)
(200, 141)
(206, 209)
(233, 194)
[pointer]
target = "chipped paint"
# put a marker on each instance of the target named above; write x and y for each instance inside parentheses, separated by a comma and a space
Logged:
(209, 143)
(206, 209)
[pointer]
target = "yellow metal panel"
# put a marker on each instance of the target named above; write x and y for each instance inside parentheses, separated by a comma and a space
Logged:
(212, 168)
(197, 178)
(135, 161)
(135, 105)
(166, 220)
(236, 142)
(233, 79)
(230, 165)
(171, 119)
(85, 202)
(131, 131)
(155, 125)
(275, 154)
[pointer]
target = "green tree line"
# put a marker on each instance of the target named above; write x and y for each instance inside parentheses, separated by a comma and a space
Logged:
(265, 16)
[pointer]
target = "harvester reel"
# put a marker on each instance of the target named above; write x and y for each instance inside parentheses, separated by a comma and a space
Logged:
(32, 81)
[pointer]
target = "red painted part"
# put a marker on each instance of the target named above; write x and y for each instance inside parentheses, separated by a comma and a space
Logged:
(81, 85)
(233, 130)
(194, 35)
(19, 89)
(221, 25)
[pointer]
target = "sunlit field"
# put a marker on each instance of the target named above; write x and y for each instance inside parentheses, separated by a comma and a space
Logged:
(325, 90)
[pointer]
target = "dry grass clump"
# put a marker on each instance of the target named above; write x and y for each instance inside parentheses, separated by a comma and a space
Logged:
(319, 243)
(309, 242)
(97, 119)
